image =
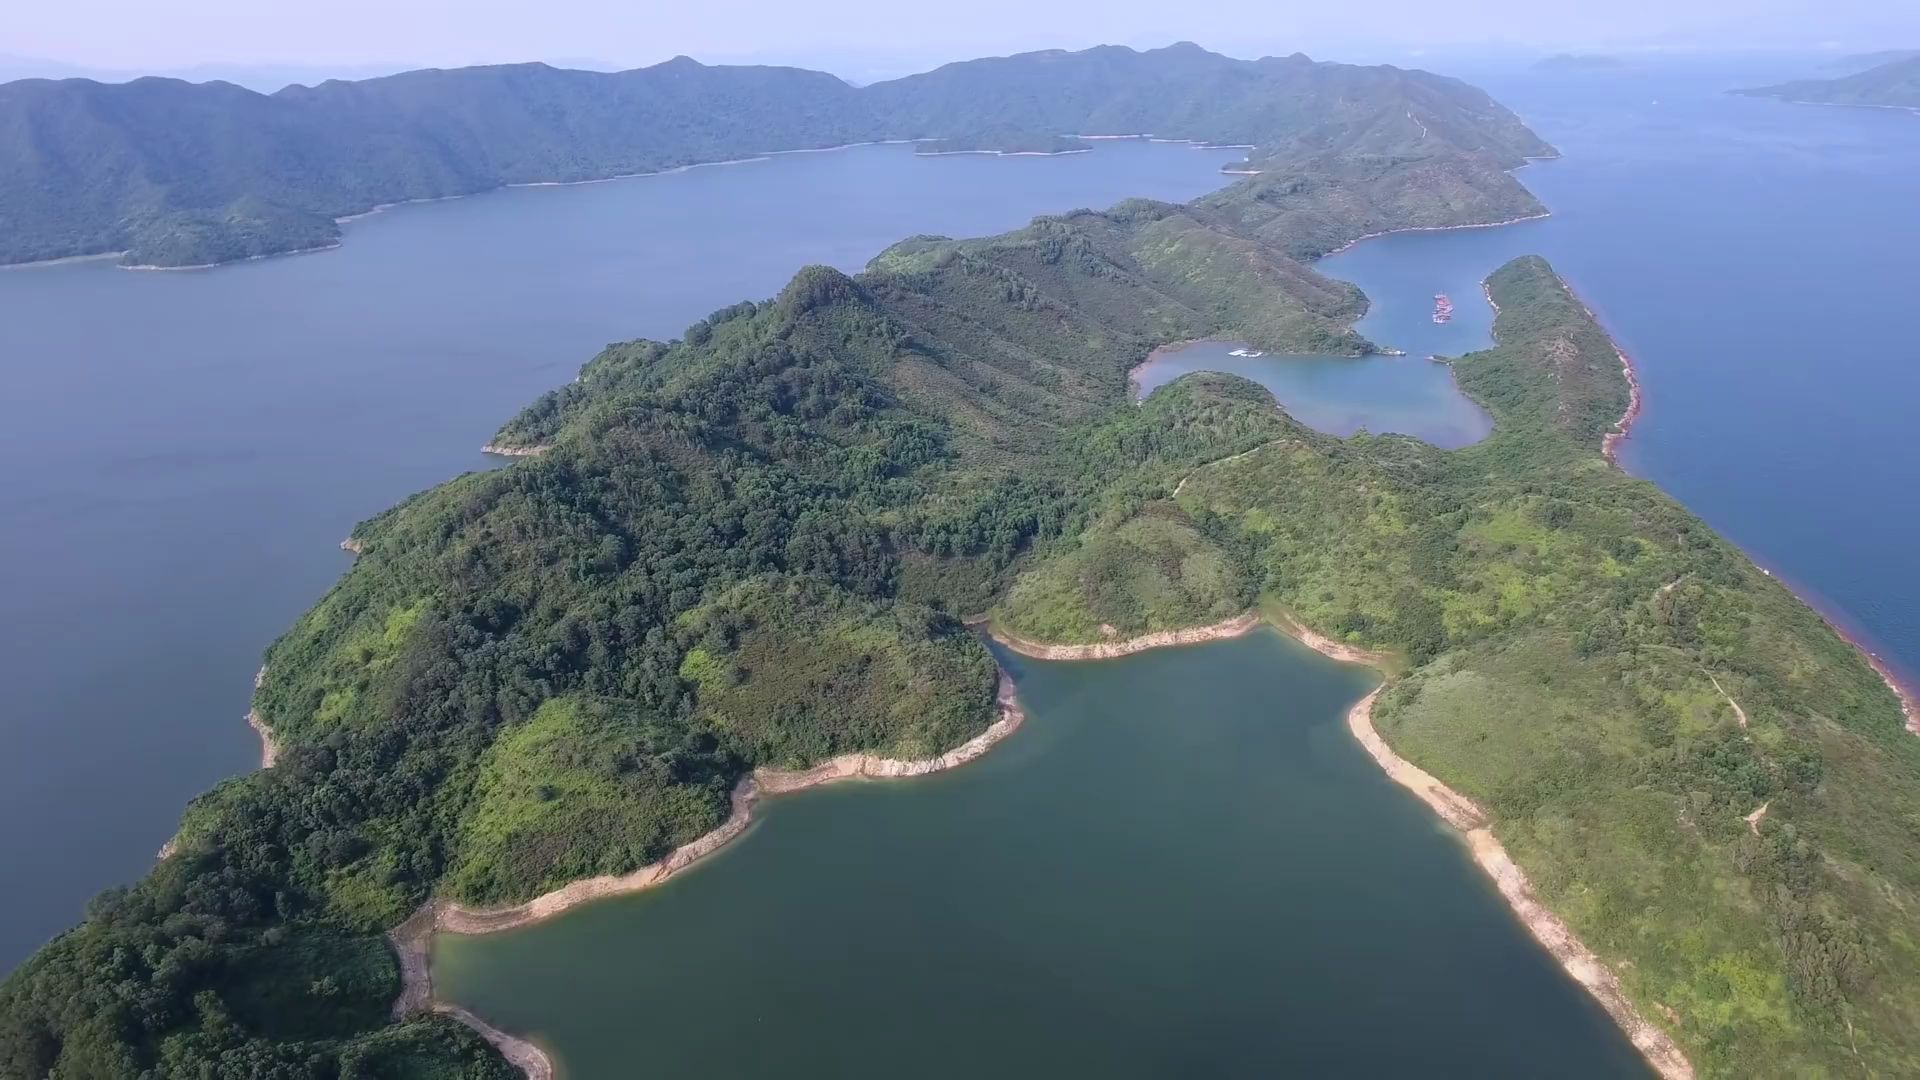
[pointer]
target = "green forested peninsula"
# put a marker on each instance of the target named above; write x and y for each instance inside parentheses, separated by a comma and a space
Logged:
(1892, 84)
(177, 174)
(754, 545)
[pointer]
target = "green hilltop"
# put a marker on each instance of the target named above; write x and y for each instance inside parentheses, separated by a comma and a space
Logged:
(755, 545)
(178, 174)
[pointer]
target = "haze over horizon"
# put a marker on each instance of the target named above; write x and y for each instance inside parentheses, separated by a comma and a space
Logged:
(864, 39)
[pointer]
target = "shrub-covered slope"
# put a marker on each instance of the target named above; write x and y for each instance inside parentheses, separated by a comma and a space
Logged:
(1621, 688)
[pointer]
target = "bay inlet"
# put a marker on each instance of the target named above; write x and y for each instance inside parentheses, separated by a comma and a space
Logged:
(1182, 863)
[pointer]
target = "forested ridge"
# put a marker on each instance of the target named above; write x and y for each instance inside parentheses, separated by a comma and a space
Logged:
(754, 545)
(179, 174)
(1893, 84)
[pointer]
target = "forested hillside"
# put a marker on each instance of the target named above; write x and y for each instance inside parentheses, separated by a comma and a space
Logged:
(177, 174)
(1894, 84)
(1711, 787)
(748, 546)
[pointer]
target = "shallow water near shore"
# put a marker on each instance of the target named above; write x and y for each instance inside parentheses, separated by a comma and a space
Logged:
(1340, 395)
(1182, 864)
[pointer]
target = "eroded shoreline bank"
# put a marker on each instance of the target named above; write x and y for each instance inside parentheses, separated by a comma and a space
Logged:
(1107, 650)
(1554, 935)
(1364, 237)
(412, 940)
(498, 450)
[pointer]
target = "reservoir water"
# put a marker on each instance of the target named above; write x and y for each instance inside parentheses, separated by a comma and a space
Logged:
(1182, 865)
(186, 449)
(1406, 395)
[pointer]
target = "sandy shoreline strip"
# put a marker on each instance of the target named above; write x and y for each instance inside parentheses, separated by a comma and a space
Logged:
(412, 940)
(1548, 929)
(269, 746)
(498, 450)
(1107, 650)
(64, 260)
(1003, 153)
(1599, 980)
(1434, 228)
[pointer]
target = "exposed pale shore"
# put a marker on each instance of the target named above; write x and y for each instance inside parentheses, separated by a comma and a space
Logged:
(314, 250)
(1623, 427)
(1548, 929)
(269, 753)
(1463, 814)
(412, 940)
(516, 451)
(1437, 228)
(1848, 104)
(63, 260)
(353, 547)
(520, 1053)
(269, 748)
(1107, 650)
(1003, 153)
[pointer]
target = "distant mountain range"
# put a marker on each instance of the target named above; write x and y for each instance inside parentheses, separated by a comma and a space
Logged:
(172, 173)
(1895, 84)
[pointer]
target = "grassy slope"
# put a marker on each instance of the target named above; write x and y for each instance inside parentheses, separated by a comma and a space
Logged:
(1566, 624)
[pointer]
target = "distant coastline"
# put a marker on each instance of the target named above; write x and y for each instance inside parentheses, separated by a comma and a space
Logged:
(765, 155)
(1838, 104)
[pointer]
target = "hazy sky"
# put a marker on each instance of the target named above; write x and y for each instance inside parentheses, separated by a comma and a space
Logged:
(142, 34)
